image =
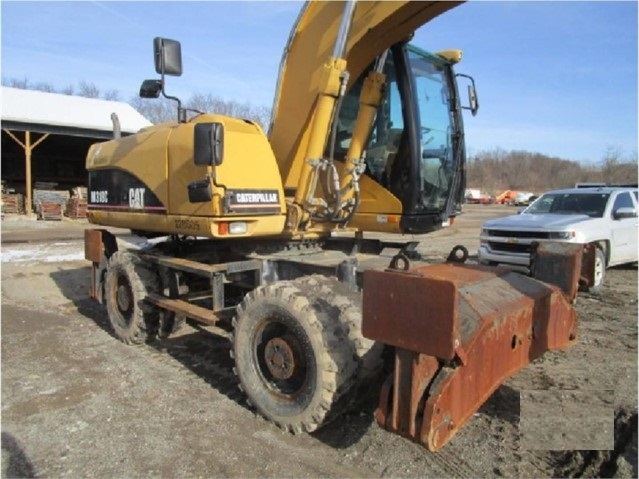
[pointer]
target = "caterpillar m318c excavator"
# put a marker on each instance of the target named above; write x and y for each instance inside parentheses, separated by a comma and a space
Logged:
(264, 234)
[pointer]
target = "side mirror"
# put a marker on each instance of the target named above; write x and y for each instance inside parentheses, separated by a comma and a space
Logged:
(208, 144)
(472, 99)
(473, 102)
(151, 88)
(168, 56)
(624, 212)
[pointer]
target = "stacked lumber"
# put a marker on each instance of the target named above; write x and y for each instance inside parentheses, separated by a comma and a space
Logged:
(49, 211)
(79, 192)
(13, 203)
(76, 207)
(45, 185)
(50, 196)
(50, 204)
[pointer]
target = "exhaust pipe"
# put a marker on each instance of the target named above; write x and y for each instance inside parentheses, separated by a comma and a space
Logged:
(117, 132)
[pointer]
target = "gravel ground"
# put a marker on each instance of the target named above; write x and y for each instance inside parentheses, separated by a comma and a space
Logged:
(78, 403)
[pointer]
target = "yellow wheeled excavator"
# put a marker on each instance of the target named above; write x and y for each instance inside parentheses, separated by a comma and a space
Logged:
(264, 233)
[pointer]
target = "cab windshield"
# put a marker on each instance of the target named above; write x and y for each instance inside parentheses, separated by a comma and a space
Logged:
(436, 108)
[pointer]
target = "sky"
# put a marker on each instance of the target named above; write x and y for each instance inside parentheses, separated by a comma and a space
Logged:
(557, 78)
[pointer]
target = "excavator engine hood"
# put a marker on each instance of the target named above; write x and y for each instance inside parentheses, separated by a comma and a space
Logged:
(459, 332)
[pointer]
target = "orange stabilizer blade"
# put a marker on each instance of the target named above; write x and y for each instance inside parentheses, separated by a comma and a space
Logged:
(459, 332)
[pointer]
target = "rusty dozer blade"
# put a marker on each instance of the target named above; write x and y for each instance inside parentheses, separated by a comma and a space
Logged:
(459, 332)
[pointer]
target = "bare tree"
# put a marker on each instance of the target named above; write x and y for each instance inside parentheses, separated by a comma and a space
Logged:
(214, 104)
(615, 169)
(162, 110)
(88, 90)
(42, 86)
(156, 111)
(498, 170)
(111, 95)
(16, 82)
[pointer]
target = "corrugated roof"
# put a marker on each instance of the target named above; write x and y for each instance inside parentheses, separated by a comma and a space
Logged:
(75, 113)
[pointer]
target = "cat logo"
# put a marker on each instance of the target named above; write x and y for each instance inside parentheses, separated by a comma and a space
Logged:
(136, 198)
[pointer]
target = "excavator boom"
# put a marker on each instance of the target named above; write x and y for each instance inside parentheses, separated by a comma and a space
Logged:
(375, 27)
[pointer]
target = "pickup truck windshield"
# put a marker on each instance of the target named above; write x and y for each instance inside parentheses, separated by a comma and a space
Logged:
(591, 204)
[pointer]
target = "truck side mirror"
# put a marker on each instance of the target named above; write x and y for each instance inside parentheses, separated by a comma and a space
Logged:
(168, 56)
(624, 212)
(151, 88)
(208, 144)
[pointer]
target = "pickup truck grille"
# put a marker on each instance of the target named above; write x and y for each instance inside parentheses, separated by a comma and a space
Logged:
(518, 234)
(509, 247)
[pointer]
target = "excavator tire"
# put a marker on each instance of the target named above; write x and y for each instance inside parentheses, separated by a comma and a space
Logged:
(293, 357)
(348, 305)
(127, 283)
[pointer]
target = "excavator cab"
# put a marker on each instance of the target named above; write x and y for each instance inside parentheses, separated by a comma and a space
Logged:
(416, 146)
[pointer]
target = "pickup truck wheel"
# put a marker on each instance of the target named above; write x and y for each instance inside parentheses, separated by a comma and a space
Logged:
(291, 355)
(600, 271)
(127, 282)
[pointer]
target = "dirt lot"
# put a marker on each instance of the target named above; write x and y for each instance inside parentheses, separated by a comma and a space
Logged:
(78, 403)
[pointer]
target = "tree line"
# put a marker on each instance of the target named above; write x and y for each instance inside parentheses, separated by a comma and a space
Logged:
(490, 171)
(497, 170)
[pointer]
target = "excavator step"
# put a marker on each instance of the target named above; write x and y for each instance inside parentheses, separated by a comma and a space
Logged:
(189, 310)
(459, 332)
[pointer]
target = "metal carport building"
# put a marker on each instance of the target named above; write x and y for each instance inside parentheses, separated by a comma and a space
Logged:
(46, 136)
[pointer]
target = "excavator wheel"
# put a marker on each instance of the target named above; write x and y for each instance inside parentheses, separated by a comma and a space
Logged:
(292, 356)
(127, 283)
(348, 308)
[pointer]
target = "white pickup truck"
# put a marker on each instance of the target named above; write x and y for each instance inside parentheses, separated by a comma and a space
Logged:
(604, 216)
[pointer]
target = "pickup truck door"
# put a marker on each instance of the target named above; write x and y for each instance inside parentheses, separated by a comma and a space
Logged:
(624, 231)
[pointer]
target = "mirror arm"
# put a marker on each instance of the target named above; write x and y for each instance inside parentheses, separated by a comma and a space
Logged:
(181, 112)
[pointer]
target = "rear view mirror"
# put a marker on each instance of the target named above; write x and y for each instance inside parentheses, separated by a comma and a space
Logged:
(151, 88)
(208, 144)
(472, 99)
(168, 56)
(473, 102)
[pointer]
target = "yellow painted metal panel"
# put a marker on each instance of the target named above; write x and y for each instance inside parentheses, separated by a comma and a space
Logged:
(125, 153)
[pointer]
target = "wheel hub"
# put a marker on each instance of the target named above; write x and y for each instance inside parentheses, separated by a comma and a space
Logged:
(281, 357)
(123, 296)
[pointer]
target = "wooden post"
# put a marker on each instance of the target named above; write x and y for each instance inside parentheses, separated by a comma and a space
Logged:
(28, 148)
(27, 181)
